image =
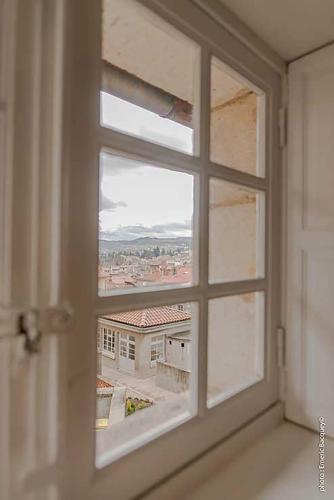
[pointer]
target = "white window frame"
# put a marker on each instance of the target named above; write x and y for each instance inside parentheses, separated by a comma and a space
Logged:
(157, 340)
(130, 345)
(110, 334)
(84, 139)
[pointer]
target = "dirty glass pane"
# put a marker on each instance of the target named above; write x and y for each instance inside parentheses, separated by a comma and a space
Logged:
(149, 76)
(235, 344)
(144, 385)
(236, 232)
(146, 226)
(237, 121)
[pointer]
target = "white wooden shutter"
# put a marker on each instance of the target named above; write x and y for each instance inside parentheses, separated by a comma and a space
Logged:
(31, 410)
(310, 254)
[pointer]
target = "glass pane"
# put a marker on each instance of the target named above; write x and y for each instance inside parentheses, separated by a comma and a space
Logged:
(235, 344)
(236, 232)
(137, 399)
(145, 226)
(150, 76)
(237, 121)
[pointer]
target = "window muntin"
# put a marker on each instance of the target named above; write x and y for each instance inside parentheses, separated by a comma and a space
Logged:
(132, 347)
(144, 94)
(127, 346)
(109, 340)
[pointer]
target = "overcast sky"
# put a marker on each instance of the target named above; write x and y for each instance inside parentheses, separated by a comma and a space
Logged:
(139, 200)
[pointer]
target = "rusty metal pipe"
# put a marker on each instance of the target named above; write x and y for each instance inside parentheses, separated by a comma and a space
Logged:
(120, 83)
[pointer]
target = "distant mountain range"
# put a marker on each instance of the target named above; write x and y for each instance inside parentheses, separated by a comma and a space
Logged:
(142, 243)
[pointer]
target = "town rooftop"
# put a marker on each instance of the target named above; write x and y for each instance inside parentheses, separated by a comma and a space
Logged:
(146, 318)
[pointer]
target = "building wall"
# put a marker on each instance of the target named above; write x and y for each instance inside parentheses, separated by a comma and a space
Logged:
(233, 132)
(233, 241)
(234, 212)
(234, 348)
(171, 378)
(235, 343)
(143, 356)
(107, 363)
(143, 368)
(177, 355)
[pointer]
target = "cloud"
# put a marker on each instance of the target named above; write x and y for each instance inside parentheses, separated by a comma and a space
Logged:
(172, 227)
(169, 230)
(110, 205)
(112, 165)
(175, 139)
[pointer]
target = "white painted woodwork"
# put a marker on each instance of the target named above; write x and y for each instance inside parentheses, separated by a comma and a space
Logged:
(127, 352)
(310, 240)
(291, 28)
(266, 474)
(48, 412)
(237, 410)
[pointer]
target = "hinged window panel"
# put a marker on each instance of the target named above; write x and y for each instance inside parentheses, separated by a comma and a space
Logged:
(143, 239)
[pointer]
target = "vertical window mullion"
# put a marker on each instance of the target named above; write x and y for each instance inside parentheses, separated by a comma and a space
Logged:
(203, 224)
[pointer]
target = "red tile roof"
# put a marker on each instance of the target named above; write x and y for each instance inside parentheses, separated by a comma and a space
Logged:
(101, 384)
(145, 318)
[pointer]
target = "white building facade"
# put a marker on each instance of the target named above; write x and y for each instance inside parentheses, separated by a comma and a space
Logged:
(134, 342)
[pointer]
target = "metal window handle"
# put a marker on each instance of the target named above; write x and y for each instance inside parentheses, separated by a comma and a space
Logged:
(33, 323)
(29, 327)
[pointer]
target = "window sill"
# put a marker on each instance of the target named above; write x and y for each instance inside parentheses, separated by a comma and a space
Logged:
(109, 354)
(182, 484)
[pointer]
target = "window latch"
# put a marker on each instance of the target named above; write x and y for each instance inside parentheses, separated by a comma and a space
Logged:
(29, 326)
(33, 323)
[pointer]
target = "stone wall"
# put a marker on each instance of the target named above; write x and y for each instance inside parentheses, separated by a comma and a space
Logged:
(171, 378)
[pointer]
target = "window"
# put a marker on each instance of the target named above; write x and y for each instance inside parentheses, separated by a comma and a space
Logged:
(109, 340)
(157, 349)
(155, 214)
(99, 339)
(165, 222)
(140, 146)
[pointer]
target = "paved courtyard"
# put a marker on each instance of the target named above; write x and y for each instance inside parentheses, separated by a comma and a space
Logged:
(141, 387)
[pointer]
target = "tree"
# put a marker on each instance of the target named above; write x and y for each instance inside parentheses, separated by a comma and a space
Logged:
(156, 251)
